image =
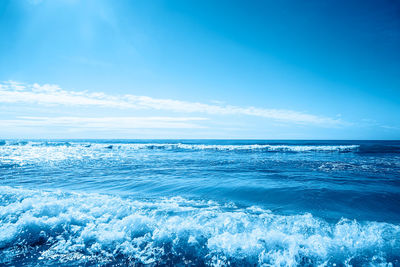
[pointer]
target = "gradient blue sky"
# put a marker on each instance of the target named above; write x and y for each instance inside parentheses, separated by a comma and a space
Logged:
(200, 69)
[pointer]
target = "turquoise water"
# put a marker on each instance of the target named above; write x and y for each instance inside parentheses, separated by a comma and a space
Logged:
(200, 203)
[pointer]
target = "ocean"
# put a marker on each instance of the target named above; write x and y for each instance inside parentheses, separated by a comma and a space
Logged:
(199, 203)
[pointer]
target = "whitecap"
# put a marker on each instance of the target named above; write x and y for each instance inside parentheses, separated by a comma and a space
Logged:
(93, 228)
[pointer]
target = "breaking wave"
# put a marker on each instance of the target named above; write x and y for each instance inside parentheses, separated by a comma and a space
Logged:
(85, 229)
(25, 152)
(358, 148)
(184, 146)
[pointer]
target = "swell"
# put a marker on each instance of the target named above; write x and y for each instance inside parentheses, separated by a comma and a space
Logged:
(379, 149)
(360, 148)
(184, 146)
(89, 229)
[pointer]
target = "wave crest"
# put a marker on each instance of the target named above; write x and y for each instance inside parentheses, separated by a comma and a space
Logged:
(183, 146)
(57, 227)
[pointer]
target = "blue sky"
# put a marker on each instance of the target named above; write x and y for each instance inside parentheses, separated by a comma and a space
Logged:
(200, 69)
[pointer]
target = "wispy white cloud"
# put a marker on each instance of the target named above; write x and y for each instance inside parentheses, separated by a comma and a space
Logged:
(13, 92)
(109, 123)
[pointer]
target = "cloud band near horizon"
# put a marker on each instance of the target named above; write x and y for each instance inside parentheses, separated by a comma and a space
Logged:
(15, 92)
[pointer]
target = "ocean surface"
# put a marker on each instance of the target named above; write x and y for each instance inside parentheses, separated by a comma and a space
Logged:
(199, 203)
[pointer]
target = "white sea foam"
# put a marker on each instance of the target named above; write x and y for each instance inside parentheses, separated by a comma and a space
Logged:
(81, 228)
(33, 151)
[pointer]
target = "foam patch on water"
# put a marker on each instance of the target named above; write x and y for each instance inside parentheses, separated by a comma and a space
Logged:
(135, 146)
(271, 148)
(69, 228)
(25, 152)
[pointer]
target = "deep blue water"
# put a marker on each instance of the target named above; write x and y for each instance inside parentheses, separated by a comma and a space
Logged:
(199, 202)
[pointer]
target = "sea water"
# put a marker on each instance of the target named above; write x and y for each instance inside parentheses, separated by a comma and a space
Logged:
(199, 203)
